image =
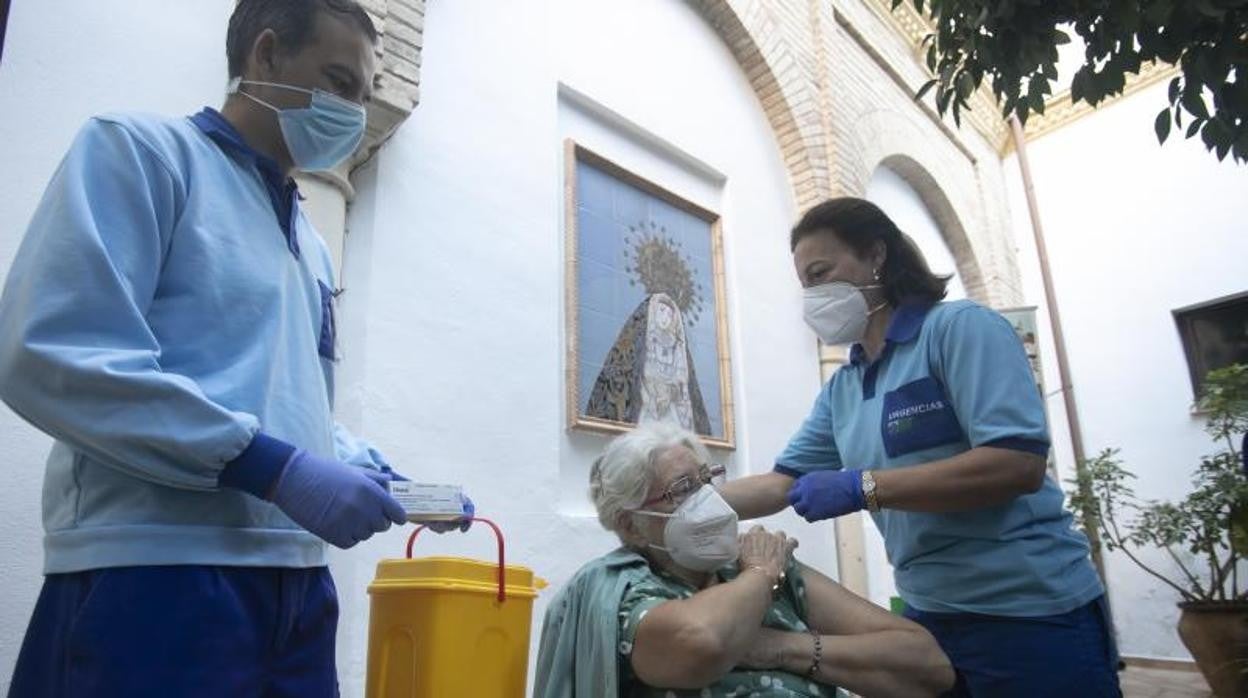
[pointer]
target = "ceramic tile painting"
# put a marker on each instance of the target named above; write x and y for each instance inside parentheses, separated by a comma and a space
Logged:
(646, 313)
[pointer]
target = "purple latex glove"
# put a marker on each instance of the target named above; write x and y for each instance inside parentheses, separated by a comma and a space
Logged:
(339, 503)
(827, 494)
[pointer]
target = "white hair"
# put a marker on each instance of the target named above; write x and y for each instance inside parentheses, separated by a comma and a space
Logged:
(622, 475)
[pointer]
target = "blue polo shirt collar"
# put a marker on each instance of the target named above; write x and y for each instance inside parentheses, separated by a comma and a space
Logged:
(282, 190)
(903, 327)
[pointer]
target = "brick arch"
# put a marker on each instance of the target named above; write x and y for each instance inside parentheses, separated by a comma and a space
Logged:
(946, 181)
(396, 86)
(783, 85)
(947, 219)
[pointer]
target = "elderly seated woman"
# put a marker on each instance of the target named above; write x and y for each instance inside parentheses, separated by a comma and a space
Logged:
(687, 607)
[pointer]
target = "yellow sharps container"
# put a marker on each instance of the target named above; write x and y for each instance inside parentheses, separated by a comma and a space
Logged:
(450, 627)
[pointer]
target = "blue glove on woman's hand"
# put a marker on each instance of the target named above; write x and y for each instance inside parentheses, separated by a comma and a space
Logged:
(826, 494)
(463, 524)
(341, 504)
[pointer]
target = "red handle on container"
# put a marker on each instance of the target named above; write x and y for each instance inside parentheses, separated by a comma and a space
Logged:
(502, 589)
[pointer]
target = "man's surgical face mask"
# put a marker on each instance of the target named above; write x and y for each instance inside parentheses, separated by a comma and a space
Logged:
(319, 136)
(701, 535)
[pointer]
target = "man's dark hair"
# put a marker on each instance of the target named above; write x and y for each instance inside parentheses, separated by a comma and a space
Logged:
(860, 224)
(292, 21)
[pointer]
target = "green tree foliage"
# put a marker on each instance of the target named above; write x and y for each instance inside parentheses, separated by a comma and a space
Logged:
(1013, 45)
(1204, 534)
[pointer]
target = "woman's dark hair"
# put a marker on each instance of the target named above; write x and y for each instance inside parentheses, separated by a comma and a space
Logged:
(860, 224)
(292, 21)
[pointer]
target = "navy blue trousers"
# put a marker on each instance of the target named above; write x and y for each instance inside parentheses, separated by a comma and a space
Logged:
(187, 631)
(1070, 655)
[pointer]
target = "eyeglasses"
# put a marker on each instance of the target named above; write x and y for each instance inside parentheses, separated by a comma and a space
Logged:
(712, 474)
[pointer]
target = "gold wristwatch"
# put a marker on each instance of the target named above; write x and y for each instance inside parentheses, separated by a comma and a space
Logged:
(868, 490)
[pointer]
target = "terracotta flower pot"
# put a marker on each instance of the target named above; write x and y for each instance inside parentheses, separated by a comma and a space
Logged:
(1216, 633)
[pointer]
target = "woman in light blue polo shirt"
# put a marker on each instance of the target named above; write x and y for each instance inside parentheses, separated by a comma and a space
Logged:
(936, 427)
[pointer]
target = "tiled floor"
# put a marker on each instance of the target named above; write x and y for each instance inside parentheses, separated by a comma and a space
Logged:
(1138, 682)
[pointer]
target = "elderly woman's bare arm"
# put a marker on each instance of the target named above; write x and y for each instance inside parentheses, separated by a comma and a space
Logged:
(754, 496)
(887, 663)
(865, 648)
(693, 642)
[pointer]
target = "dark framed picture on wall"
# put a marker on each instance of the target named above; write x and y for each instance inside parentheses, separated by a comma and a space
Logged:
(1214, 335)
(647, 332)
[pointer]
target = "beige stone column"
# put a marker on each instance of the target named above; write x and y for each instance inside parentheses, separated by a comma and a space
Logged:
(326, 196)
(851, 560)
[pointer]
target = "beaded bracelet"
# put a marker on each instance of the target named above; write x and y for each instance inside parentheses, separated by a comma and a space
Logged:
(817, 655)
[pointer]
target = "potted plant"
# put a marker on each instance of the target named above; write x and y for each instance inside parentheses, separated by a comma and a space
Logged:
(1205, 535)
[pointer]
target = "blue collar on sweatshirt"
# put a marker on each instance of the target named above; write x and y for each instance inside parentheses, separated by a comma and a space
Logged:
(283, 193)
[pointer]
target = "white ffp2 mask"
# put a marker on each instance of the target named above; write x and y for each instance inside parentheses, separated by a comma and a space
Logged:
(837, 311)
(701, 535)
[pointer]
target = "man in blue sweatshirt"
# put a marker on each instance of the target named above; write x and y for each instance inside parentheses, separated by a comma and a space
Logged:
(169, 322)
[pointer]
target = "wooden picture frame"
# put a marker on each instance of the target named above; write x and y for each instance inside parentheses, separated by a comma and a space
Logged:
(646, 322)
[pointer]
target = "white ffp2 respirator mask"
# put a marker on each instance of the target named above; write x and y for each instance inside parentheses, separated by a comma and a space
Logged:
(837, 311)
(701, 535)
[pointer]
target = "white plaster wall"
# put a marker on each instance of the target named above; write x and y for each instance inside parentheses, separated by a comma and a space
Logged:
(453, 356)
(65, 60)
(903, 204)
(1134, 231)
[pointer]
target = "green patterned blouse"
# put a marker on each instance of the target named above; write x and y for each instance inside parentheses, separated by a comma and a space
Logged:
(787, 612)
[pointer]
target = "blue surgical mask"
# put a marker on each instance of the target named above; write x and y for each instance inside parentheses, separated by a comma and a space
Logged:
(321, 135)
